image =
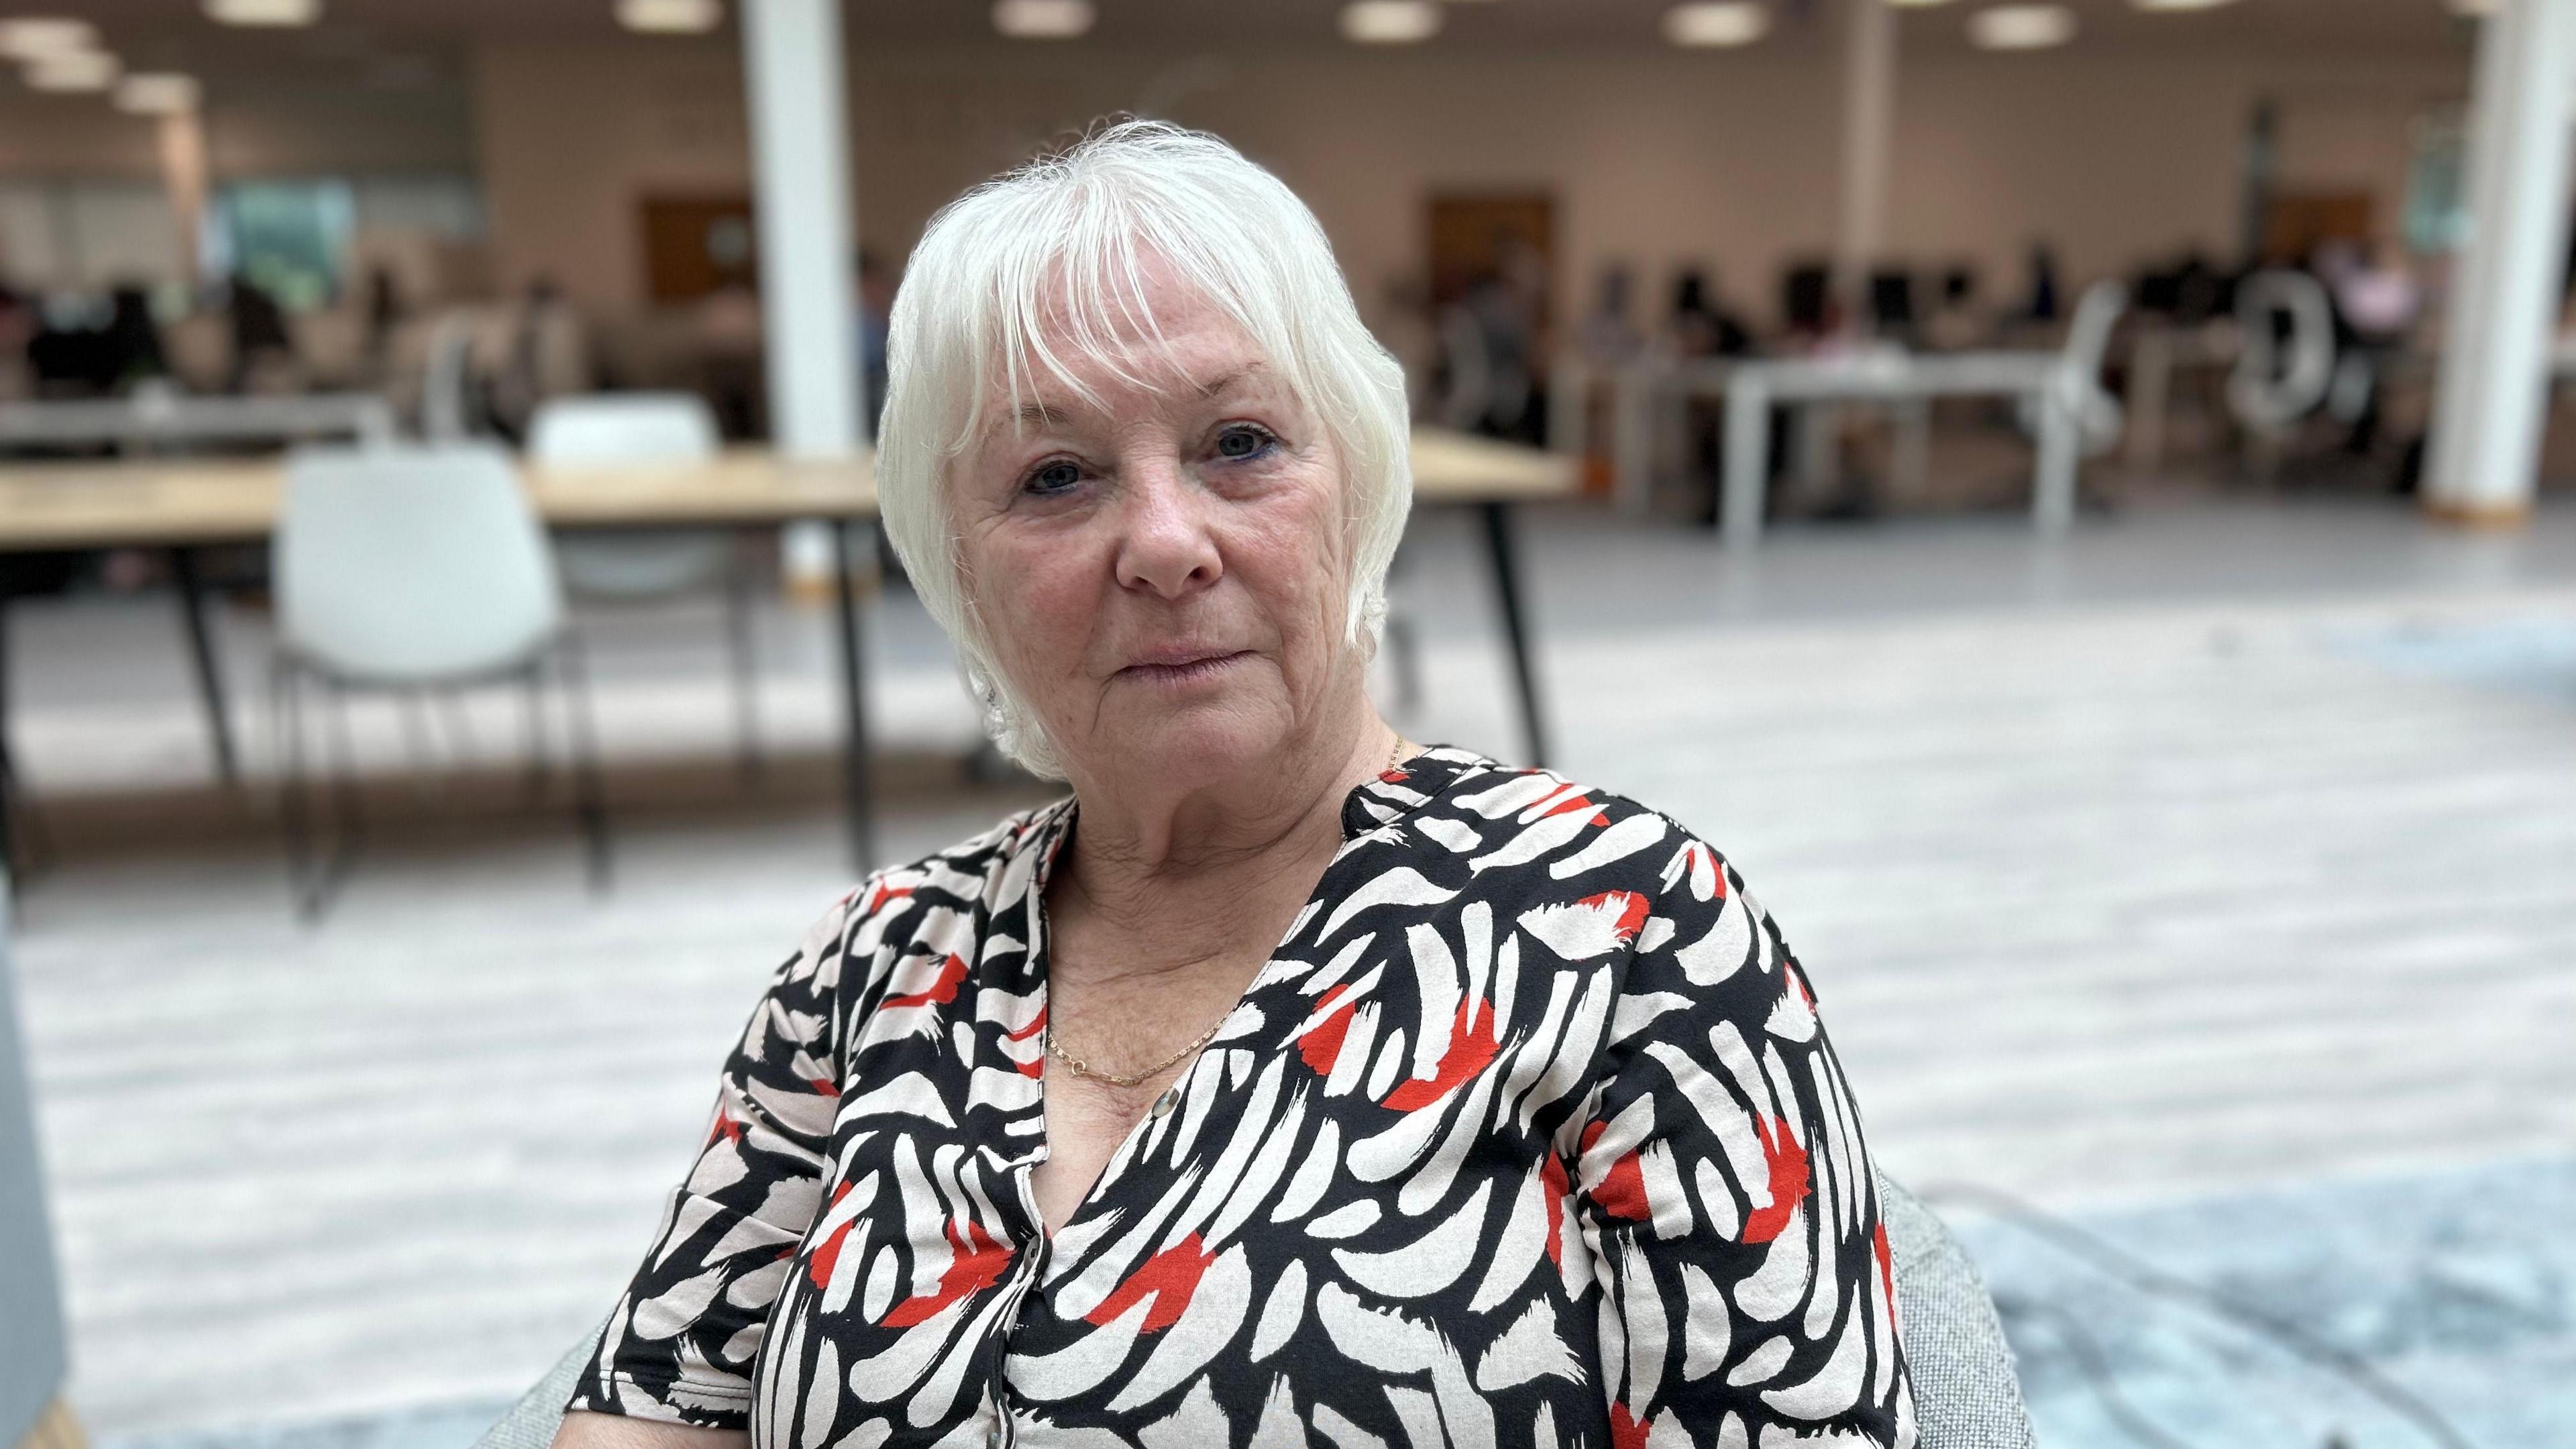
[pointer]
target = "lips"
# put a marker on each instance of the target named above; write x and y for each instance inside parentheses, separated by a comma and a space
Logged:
(1183, 665)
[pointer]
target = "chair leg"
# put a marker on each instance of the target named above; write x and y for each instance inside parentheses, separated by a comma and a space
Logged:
(590, 804)
(532, 698)
(746, 667)
(348, 839)
(294, 806)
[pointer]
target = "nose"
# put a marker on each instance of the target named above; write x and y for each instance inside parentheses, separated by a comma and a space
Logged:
(1168, 547)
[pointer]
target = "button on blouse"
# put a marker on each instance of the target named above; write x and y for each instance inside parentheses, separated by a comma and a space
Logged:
(1526, 1134)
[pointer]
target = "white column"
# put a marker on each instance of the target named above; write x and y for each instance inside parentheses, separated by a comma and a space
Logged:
(1869, 121)
(2484, 458)
(801, 201)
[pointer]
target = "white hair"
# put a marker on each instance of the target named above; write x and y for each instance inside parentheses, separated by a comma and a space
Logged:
(1050, 258)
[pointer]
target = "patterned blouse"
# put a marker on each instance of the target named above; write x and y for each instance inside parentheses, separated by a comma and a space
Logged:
(1527, 1134)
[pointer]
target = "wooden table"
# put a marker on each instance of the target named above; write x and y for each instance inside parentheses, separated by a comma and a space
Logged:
(1457, 469)
(181, 506)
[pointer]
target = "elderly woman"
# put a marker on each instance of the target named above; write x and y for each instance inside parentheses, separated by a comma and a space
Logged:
(1290, 1082)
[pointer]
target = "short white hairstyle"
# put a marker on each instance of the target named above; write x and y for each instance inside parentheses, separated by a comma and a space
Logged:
(1049, 259)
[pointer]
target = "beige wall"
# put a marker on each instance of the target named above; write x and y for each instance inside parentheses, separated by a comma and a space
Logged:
(1659, 159)
(251, 130)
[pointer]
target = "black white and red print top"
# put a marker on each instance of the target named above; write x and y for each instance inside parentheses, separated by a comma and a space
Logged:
(1527, 1134)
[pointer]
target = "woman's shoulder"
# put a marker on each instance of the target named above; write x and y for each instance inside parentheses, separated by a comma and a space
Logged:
(928, 902)
(1560, 828)
(1583, 868)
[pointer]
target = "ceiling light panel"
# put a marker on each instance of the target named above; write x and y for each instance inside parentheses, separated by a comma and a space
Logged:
(1390, 22)
(670, 17)
(264, 12)
(2022, 27)
(1043, 19)
(1716, 22)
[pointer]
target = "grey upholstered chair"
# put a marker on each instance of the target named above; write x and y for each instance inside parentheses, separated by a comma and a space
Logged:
(1965, 1395)
(32, 1355)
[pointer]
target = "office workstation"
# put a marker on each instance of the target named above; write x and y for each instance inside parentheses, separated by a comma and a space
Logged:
(2037, 531)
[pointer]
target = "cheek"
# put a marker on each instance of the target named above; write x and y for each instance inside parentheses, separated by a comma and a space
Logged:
(1298, 559)
(1036, 596)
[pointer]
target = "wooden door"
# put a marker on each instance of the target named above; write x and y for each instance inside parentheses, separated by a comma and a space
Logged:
(1471, 236)
(694, 245)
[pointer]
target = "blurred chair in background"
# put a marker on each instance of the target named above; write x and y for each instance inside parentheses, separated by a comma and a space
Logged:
(2287, 366)
(611, 429)
(416, 569)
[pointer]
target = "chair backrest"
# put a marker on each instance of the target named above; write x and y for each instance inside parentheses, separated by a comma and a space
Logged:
(2277, 381)
(1965, 1393)
(2088, 337)
(629, 427)
(33, 1359)
(411, 565)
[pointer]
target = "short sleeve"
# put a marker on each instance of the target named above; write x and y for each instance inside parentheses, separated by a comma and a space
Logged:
(681, 1343)
(1726, 1195)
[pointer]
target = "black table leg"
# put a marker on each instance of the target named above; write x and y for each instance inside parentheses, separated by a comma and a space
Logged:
(201, 651)
(1507, 589)
(855, 785)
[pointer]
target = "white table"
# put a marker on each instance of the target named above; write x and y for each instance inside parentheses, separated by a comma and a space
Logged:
(2046, 378)
(178, 418)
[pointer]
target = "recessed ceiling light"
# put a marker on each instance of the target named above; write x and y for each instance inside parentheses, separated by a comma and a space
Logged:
(157, 93)
(32, 37)
(1916, 4)
(75, 70)
(2475, 9)
(1716, 22)
(670, 17)
(2180, 4)
(1042, 19)
(1390, 22)
(264, 12)
(2022, 27)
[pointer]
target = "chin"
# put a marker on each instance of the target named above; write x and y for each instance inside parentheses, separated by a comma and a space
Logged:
(1206, 742)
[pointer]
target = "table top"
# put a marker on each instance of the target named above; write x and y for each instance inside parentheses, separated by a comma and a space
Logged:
(149, 502)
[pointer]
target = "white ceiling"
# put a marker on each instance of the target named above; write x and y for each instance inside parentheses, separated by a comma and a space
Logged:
(427, 35)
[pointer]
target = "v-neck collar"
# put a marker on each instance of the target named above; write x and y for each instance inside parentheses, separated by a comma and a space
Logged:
(1373, 805)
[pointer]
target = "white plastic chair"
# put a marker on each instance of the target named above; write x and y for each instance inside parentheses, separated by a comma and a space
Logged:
(2100, 419)
(2279, 382)
(639, 566)
(413, 569)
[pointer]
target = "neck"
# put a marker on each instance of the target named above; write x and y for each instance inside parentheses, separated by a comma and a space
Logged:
(1145, 847)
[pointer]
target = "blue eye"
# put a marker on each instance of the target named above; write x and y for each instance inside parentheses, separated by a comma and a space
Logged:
(1242, 441)
(1054, 477)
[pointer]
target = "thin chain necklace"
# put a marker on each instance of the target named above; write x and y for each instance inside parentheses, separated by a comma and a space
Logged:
(1081, 1068)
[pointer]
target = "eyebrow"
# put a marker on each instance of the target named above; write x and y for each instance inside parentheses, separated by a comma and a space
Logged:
(1217, 385)
(1040, 414)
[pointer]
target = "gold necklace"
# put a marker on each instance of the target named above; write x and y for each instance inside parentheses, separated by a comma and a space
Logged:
(1081, 1068)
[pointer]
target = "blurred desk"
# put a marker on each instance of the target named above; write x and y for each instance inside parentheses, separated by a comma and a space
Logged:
(180, 506)
(1458, 469)
(2043, 377)
(178, 418)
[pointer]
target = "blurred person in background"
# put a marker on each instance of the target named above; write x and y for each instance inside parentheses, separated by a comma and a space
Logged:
(1699, 328)
(262, 347)
(1608, 335)
(2377, 302)
(18, 323)
(875, 302)
(1287, 1068)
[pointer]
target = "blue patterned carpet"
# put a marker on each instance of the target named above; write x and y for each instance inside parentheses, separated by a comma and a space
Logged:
(2456, 1288)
